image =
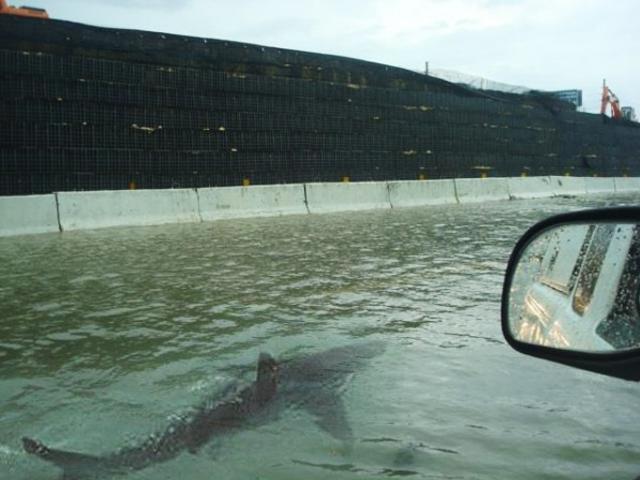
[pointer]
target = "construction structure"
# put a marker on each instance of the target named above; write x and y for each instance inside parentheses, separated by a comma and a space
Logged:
(91, 108)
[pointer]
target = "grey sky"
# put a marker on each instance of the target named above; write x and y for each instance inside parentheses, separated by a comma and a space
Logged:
(549, 45)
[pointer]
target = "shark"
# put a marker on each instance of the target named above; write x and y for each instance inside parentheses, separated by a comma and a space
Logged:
(313, 383)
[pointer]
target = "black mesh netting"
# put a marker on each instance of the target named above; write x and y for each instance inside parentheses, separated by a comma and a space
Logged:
(88, 108)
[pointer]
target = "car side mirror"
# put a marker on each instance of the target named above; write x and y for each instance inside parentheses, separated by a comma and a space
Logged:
(572, 291)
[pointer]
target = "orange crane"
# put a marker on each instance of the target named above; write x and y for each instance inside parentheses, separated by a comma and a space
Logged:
(610, 98)
(22, 11)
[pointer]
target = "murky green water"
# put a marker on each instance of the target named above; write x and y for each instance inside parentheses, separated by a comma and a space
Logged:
(106, 335)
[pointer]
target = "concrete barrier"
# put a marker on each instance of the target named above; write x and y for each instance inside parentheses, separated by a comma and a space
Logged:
(86, 210)
(339, 197)
(599, 185)
(255, 201)
(530, 187)
(28, 214)
(470, 190)
(415, 193)
(626, 184)
(568, 185)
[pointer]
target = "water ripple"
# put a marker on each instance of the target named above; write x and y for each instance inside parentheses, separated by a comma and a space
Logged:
(103, 334)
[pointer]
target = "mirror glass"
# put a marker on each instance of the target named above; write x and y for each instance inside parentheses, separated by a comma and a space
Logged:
(577, 287)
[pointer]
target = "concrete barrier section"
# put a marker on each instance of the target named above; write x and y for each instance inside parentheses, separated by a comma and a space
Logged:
(339, 197)
(255, 201)
(86, 210)
(627, 184)
(568, 185)
(471, 190)
(599, 185)
(415, 193)
(530, 187)
(28, 214)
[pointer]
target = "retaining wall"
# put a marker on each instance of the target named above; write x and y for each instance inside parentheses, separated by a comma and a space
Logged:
(568, 185)
(340, 197)
(530, 187)
(256, 201)
(97, 209)
(416, 193)
(599, 185)
(29, 214)
(84, 210)
(627, 184)
(471, 190)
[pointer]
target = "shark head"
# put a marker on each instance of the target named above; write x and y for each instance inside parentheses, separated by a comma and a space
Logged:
(267, 377)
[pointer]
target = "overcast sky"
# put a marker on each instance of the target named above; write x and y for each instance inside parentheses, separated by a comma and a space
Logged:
(546, 45)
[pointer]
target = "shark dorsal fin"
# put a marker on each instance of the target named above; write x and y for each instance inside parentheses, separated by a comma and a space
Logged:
(266, 376)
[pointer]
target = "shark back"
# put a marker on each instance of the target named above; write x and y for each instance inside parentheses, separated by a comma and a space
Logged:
(312, 383)
(212, 418)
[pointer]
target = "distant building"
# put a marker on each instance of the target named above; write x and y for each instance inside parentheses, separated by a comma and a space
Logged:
(573, 96)
(629, 113)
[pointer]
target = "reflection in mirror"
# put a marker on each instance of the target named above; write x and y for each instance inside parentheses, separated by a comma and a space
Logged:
(577, 287)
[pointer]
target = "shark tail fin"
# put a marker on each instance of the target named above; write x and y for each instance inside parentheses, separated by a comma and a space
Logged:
(75, 465)
(35, 447)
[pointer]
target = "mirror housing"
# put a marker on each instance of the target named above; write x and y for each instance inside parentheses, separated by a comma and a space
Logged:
(548, 308)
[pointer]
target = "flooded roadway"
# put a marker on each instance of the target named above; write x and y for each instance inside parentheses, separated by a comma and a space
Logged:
(106, 335)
